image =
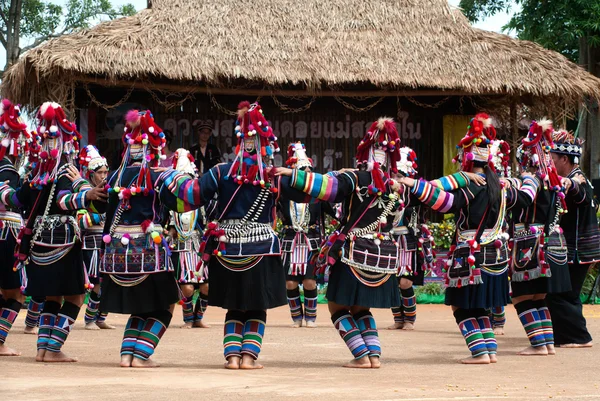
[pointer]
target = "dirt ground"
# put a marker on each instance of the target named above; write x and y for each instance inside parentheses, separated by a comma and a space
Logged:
(304, 364)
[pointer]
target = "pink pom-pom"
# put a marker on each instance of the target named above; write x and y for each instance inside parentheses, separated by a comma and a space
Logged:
(106, 238)
(498, 243)
(22, 288)
(471, 259)
(251, 127)
(54, 153)
(43, 155)
(469, 156)
(91, 286)
(132, 117)
(533, 229)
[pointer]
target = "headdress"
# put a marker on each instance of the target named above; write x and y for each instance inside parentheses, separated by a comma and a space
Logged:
(566, 144)
(297, 157)
(380, 148)
(256, 142)
(57, 136)
(184, 161)
(407, 164)
(90, 161)
(500, 157)
(476, 144)
(13, 131)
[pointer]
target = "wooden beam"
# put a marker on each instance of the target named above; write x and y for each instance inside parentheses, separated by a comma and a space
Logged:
(183, 88)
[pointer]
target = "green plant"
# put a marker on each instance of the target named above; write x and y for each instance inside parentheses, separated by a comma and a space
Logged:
(443, 233)
(430, 289)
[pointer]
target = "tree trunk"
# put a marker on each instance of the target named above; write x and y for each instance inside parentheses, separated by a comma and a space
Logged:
(589, 57)
(13, 31)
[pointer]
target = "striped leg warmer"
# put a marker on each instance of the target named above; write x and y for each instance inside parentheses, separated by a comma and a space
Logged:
(254, 331)
(310, 305)
(368, 330)
(498, 316)
(134, 325)
(33, 312)
(47, 322)
(485, 325)
(65, 319)
(293, 297)
(546, 320)
(154, 328)
(187, 305)
(530, 319)
(469, 328)
(233, 333)
(8, 314)
(91, 311)
(346, 326)
(201, 306)
(101, 317)
(409, 305)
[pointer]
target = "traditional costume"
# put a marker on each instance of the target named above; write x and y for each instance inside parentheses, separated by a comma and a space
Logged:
(91, 226)
(478, 261)
(580, 227)
(13, 143)
(303, 232)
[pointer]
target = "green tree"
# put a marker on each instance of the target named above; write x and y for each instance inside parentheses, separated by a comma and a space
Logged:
(40, 20)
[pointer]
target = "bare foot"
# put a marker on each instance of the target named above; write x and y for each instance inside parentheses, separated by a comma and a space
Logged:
(126, 361)
(187, 325)
(105, 326)
(550, 348)
(201, 325)
(493, 358)
(311, 324)
(531, 351)
(499, 331)
(586, 345)
(478, 360)
(40, 355)
(58, 357)
(375, 362)
(5, 351)
(361, 363)
(396, 326)
(297, 324)
(233, 363)
(92, 326)
(408, 326)
(140, 363)
(249, 363)
(30, 330)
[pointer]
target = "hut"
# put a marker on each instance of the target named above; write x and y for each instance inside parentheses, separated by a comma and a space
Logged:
(322, 69)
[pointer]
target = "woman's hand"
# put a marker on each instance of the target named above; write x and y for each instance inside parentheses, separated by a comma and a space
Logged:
(476, 178)
(283, 171)
(73, 174)
(409, 182)
(160, 169)
(98, 193)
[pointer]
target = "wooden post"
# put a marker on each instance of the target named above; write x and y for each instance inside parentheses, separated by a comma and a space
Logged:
(514, 134)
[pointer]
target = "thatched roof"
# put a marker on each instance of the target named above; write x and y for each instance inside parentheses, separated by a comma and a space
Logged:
(313, 45)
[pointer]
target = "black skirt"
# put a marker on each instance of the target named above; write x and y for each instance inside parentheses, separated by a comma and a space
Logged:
(310, 272)
(345, 289)
(494, 291)
(560, 280)
(258, 288)
(62, 278)
(9, 279)
(531, 287)
(158, 291)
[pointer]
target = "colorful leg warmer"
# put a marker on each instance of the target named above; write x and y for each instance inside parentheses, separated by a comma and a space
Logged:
(498, 317)
(201, 306)
(546, 320)
(188, 309)
(47, 321)
(8, 314)
(530, 319)
(101, 317)
(33, 312)
(254, 331)
(65, 319)
(310, 305)
(134, 325)
(91, 311)
(368, 330)
(469, 328)
(233, 333)
(398, 314)
(409, 305)
(293, 297)
(485, 325)
(154, 328)
(346, 326)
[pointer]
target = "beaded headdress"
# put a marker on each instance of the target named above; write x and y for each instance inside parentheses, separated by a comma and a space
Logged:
(475, 145)
(500, 157)
(407, 164)
(184, 162)
(90, 161)
(566, 144)
(13, 131)
(297, 157)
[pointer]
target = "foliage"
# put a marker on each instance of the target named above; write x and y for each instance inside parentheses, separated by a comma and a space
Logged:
(588, 284)
(443, 233)
(433, 288)
(555, 24)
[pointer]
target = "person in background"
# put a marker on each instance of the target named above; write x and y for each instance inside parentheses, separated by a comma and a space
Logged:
(205, 154)
(167, 152)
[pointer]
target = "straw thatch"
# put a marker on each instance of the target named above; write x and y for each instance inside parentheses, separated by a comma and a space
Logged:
(313, 45)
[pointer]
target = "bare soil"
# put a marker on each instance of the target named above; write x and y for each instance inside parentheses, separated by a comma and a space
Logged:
(304, 364)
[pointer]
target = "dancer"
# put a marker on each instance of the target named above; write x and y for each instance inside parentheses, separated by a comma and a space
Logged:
(49, 249)
(580, 227)
(477, 276)
(184, 241)
(303, 232)
(539, 253)
(243, 251)
(13, 138)
(94, 169)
